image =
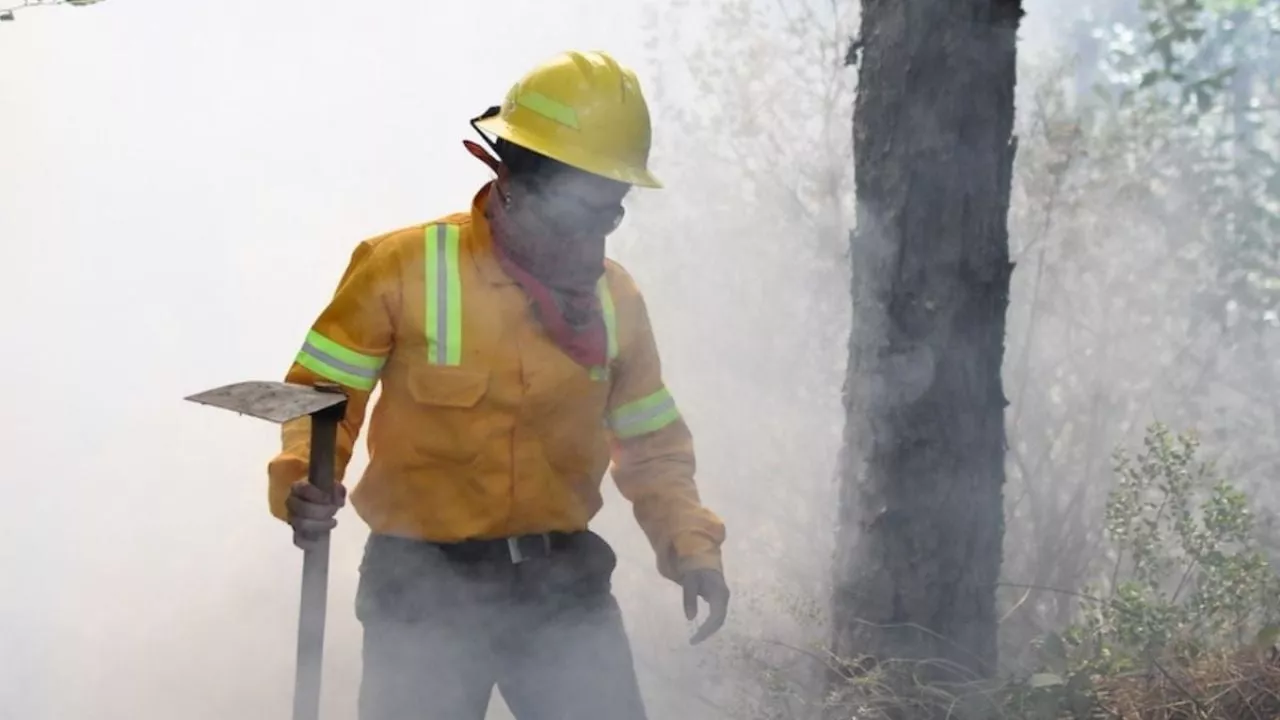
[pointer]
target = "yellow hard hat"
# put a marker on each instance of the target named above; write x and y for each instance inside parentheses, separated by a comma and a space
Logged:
(583, 109)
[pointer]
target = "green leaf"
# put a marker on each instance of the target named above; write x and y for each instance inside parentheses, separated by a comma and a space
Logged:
(1042, 680)
(1080, 695)
(1053, 651)
(1267, 636)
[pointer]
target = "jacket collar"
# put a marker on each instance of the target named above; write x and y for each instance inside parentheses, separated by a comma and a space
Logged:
(483, 238)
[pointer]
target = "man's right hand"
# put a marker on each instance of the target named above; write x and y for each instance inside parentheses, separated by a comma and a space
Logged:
(311, 511)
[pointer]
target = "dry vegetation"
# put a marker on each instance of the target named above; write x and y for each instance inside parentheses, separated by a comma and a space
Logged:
(1145, 223)
(1238, 686)
(1241, 686)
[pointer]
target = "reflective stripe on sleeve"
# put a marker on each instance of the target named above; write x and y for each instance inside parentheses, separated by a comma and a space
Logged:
(644, 416)
(342, 365)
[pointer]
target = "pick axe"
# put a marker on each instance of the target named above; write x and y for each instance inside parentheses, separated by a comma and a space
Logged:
(279, 403)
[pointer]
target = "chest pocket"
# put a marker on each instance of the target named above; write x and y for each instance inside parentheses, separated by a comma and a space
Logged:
(446, 424)
(445, 394)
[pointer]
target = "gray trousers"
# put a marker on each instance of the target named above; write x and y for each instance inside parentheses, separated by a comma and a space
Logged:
(440, 632)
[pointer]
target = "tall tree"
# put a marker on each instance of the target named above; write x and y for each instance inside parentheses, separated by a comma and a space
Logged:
(920, 518)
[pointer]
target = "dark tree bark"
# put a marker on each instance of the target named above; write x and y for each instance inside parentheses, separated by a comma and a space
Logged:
(921, 509)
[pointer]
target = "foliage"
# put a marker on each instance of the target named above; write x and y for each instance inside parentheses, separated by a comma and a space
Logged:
(7, 14)
(1144, 230)
(1214, 686)
(1187, 631)
(1206, 70)
(1190, 589)
(1145, 221)
(1188, 576)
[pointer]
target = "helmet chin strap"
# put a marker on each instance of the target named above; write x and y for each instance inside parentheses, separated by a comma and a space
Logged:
(489, 159)
(485, 156)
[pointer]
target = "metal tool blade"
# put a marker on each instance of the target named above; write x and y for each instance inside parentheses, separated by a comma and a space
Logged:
(277, 402)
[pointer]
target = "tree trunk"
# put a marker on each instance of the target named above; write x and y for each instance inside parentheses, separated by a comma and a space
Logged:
(921, 507)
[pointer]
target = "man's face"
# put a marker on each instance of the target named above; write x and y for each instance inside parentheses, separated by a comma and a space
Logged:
(569, 202)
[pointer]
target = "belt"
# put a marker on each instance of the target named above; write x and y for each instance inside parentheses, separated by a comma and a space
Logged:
(513, 550)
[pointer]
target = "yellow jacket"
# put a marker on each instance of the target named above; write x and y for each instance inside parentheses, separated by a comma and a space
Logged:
(483, 427)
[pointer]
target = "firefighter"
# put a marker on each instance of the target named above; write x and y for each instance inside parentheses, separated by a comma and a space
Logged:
(517, 364)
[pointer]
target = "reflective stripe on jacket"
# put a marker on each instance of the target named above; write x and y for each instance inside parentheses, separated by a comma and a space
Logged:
(483, 428)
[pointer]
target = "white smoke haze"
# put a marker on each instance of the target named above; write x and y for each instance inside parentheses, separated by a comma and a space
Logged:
(180, 188)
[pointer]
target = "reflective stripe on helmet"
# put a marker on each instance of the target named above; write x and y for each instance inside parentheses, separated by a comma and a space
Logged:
(583, 109)
(548, 108)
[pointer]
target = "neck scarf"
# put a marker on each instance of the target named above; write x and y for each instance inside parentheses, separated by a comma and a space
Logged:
(559, 276)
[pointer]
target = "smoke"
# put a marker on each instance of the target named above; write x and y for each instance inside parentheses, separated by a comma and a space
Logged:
(180, 190)
(180, 187)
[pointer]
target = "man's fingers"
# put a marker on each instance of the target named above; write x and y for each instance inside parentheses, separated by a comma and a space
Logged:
(690, 598)
(313, 526)
(311, 511)
(307, 533)
(306, 500)
(312, 494)
(719, 611)
(299, 508)
(305, 541)
(307, 491)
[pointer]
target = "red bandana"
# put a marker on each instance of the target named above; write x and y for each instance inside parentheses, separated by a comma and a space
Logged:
(567, 305)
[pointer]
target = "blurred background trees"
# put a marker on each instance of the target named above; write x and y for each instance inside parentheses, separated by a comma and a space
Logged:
(1144, 220)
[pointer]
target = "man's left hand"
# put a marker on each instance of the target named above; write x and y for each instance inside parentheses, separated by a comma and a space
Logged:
(710, 586)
